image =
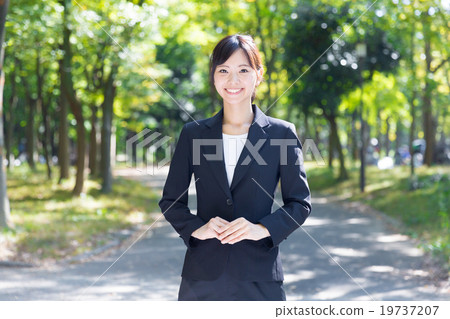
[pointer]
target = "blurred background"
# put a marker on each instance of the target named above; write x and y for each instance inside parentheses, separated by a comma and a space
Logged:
(366, 83)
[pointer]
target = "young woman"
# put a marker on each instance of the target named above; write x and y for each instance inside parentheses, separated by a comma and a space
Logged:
(237, 157)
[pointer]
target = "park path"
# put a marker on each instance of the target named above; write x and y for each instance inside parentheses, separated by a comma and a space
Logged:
(375, 261)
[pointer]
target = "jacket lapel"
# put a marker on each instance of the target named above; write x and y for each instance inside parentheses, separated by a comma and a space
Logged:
(256, 134)
(217, 168)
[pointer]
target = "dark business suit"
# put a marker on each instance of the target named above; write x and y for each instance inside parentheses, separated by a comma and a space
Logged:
(260, 166)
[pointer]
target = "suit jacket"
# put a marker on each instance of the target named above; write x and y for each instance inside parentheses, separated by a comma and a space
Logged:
(262, 164)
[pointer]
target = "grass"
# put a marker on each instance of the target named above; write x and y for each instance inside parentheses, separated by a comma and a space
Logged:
(424, 211)
(51, 224)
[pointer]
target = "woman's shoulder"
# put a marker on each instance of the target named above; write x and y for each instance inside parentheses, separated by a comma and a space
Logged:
(280, 126)
(273, 121)
(195, 125)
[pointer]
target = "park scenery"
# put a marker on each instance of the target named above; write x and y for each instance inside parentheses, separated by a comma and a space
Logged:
(94, 95)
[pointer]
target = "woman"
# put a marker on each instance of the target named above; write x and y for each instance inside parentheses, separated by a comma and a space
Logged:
(237, 158)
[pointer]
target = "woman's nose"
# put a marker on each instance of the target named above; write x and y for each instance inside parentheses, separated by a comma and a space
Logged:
(233, 77)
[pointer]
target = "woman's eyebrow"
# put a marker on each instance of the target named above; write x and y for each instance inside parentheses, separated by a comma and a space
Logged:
(223, 65)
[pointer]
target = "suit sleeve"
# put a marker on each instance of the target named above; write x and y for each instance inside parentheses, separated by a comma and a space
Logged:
(174, 201)
(295, 192)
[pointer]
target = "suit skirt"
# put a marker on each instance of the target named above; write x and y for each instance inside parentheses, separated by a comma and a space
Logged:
(227, 288)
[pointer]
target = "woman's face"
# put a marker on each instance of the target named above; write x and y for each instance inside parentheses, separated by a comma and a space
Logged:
(235, 79)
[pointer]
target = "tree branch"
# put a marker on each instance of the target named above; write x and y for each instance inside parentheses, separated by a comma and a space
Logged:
(440, 65)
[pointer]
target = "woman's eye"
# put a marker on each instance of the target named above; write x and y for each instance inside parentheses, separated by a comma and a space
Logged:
(225, 71)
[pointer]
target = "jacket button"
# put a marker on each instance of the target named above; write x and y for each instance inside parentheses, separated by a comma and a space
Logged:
(229, 201)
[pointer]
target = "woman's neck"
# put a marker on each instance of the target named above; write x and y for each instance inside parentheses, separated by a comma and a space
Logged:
(237, 116)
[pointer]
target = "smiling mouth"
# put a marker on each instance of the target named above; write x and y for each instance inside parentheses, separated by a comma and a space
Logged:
(233, 91)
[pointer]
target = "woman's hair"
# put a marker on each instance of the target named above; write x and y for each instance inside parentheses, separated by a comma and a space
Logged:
(230, 44)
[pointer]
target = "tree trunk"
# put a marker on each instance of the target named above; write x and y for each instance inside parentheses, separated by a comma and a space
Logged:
(316, 131)
(367, 132)
(4, 201)
(74, 103)
(348, 133)
(428, 122)
(444, 116)
(110, 90)
(342, 170)
(398, 139)
(412, 129)
(93, 142)
(30, 131)
(63, 135)
(343, 175)
(331, 141)
(46, 139)
(353, 137)
(44, 108)
(13, 101)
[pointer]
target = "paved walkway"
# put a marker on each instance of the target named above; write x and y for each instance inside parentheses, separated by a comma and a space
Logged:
(377, 262)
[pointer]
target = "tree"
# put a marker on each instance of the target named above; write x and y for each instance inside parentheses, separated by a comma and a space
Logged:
(429, 119)
(326, 66)
(320, 88)
(269, 28)
(107, 106)
(69, 94)
(426, 24)
(9, 116)
(106, 33)
(63, 132)
(4, 201)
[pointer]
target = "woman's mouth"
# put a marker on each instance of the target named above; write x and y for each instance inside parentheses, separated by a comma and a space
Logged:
(233, 91)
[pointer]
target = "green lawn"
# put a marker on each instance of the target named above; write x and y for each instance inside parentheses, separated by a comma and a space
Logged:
(50, 224)
(425, 212)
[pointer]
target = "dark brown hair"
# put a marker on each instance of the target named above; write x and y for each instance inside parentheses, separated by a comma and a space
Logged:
(230, 44)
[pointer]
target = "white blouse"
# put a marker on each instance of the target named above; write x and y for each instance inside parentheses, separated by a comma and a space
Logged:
(232, 148)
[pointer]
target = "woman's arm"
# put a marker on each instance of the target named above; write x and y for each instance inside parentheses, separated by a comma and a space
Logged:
(295, 192)
(174, 200)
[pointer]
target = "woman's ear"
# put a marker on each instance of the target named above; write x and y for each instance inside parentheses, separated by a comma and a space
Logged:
(259, 77)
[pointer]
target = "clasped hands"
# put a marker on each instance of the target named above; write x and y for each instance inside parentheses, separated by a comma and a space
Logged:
(231, 232)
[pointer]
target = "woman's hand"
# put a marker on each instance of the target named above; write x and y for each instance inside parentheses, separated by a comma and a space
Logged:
(240, 229)
(211, 229)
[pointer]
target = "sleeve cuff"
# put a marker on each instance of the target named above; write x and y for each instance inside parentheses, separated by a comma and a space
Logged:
(186, 235)
(271, 241)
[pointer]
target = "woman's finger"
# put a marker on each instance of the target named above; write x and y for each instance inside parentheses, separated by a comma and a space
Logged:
(233, 223)
(218, 226)
(220, 219)
(220, 222)
(235, 237)
(215, 227)
(230, 230)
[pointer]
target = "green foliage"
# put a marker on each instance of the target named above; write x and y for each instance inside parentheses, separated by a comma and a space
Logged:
(382, 99)
(326, 65)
